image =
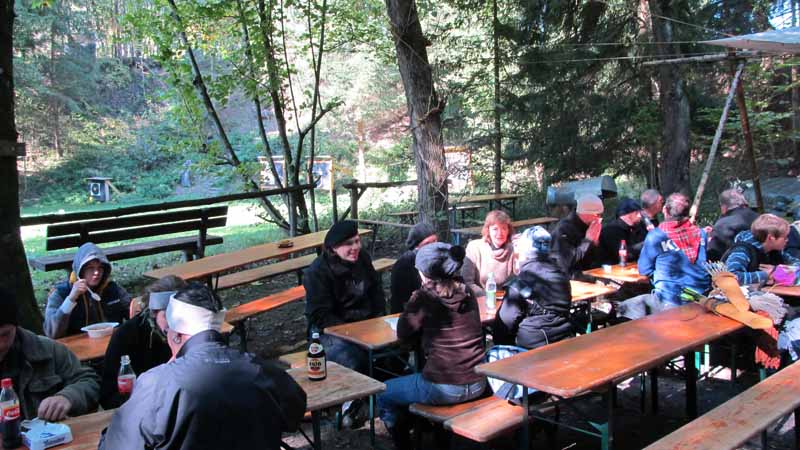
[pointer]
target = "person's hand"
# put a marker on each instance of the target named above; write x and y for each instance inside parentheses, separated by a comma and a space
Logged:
(593, 232)
(136, 307)
(650, 226)
(78, 288)
(54, 408)
(708, 229)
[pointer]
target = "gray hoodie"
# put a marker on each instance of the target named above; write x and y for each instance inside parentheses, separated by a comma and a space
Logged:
(65, 317)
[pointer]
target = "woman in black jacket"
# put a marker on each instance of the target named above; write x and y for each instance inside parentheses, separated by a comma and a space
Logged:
(535, 310)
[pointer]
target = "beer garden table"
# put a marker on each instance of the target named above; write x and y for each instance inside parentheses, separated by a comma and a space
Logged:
(597, 362)
(619, 274)
(214, 266)
(476, 231)
(502, 200)
(85, 431)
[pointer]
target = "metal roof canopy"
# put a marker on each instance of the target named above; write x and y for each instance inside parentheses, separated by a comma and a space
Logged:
(782, 41)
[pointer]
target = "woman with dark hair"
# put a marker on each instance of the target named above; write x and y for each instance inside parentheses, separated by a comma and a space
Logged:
(443, 315)
(209, 395)
(493, 253)
(143, 339)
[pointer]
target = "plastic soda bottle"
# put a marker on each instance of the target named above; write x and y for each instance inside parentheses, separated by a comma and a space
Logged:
(491, 292)
(126, 377)
(315, 360)
(9, 411)
(623, 253)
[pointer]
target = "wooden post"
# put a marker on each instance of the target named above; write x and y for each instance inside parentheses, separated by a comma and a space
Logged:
(748, 145)
(717, 137)
(354, 202)
(334, 205)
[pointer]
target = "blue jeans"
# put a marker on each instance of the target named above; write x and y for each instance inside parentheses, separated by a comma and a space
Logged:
(402, 392)
(345, 353)
(643, 305)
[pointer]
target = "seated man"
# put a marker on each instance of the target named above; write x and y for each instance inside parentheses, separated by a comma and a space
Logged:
(652, 202)
(405, 277)
(50, 381)
(736, 217)
(535, 310)
(88, 296)
(764, 243)
(576, 236)
(674, 257)
(624, 228)
(209, 395)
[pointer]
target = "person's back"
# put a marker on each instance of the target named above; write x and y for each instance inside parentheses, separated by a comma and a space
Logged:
(736, 217)
(405, 277)
(670, 269)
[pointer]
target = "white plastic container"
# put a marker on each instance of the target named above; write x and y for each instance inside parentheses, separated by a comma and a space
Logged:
(101, 329)
(40, 435)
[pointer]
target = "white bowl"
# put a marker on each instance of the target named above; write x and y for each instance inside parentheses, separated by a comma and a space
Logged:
(101, 329)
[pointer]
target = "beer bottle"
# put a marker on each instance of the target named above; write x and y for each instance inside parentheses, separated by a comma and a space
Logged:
(316, 361)
(9, 412)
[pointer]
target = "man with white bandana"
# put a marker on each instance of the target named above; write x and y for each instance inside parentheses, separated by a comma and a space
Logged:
(209, 395)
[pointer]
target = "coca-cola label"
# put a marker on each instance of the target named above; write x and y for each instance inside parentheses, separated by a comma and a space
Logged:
(125, 384)
(11, 412)
(315, 348)
(316, 367)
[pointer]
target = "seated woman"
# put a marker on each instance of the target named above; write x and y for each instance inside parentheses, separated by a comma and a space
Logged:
(143, 339)
(88, 296)
(444, 315)
(493, 253)
(342, 286)
(535, 310)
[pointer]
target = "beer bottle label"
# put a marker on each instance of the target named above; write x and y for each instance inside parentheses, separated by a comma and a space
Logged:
(315, 348)
(316, 367)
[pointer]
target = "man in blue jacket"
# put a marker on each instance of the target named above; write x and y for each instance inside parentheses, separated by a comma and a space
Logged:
(674, 257)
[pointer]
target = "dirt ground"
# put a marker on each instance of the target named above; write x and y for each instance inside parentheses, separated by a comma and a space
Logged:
(283, 331)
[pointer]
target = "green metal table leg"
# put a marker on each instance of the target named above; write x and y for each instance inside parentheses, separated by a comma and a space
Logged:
(315, 418)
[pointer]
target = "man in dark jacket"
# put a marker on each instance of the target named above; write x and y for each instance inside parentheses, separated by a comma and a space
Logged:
(210, 395)
(405, 277)
(576, 236)
(626, 227)
(535, 310)
(736, 217)
(88, 296)
(49, 380)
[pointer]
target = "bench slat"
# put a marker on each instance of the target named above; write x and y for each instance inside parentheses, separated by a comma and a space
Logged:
(64, 261)
(441, 414)
(65, 229)
(133, 233)
(267, 271)
(262, 305)
(383, 264)
(734, 422)
(294, 360)
(487, 422)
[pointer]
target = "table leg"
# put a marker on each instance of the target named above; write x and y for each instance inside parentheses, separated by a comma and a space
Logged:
(607, 429)
(691, 385)
(525, 442)
(315, 424)
(797, 428)
(762, 375)
(654, 390)
(372, 420)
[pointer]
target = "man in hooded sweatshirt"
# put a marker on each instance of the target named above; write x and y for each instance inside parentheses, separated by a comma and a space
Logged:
(88, 296)
(405, 277)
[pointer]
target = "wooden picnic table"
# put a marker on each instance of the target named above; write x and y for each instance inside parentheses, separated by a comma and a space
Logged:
(627, 274)
(583, 291)
(501, 200)
(341, 385)
(85, 431)
(517, 224)
(224, 262)
(597, 362)
(784, 291)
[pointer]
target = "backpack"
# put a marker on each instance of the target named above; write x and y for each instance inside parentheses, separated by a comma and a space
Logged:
(504, 389)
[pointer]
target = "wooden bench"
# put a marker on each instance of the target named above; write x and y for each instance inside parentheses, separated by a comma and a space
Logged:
(266, 271)
(732, 423)
(479, 420)
(375, 224)
(294, 360)
(102, 231)
(406, 217)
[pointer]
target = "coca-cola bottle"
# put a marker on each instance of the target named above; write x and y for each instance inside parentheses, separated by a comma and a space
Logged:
(126, 378)
(315, 360)
(623, 253)
(9, 411)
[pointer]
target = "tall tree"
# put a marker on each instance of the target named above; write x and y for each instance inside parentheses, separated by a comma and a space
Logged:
(424, 110)
(674, 167)
(15, 277)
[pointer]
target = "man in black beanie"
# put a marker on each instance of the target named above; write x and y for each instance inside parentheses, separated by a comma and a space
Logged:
(50, 381)
(625, 227)
(342, 286)
(405, 277)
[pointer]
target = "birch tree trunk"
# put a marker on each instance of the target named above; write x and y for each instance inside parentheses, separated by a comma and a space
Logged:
(424, 111)
(16, 278)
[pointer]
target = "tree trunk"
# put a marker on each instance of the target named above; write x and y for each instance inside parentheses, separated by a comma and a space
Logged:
(498, 143)
(674, 168)
(424, 111)
(16, 278)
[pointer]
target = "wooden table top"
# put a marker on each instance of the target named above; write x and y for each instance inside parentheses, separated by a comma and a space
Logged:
(517, 224)
(86, 348)
(485, 198)
(783, 291)
(591, 361)
(582, 290)
(627, 274)
(341, 384)
(85, 431)
(377, 333)
(212, 265)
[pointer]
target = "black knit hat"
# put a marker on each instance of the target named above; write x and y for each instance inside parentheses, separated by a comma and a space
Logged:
(440, 261)
(627, 205)
(340, 232)
(8, 307)
(418, 234)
